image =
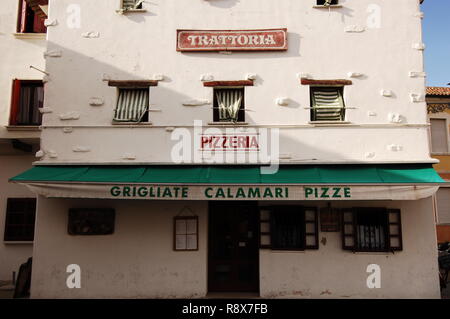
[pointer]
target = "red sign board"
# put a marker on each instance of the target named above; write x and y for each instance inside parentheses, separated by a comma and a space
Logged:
(239, 40)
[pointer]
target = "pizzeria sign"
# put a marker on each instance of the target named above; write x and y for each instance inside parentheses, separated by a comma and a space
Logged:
(226, 40)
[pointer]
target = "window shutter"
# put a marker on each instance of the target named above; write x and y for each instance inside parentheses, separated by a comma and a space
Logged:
(132, 105)
(328, 104)
(348, 229)
(395, 229)
(264, 228)
(39, 24)
(311, 228)
(23, 17)
(439, 141)
(15, 102)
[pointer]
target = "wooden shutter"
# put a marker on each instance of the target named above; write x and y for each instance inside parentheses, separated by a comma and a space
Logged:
(264, 228)
(23, 17)
(39, 24)
(443, 205)
(395, 229)
(348, 229)
(439, 141)
(15, 102)
(311, 228)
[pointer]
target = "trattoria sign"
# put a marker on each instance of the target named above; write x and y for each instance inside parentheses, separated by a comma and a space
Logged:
(234, 192)
(239, 40)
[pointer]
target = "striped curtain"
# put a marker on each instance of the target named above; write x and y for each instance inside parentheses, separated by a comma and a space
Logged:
(31, 99)
(132, 105)
(229, 102)
(131, 4)
(328, 104)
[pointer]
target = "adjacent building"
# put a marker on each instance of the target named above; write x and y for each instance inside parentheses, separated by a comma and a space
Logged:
(22, 43)
(438, 100)
(278, 148)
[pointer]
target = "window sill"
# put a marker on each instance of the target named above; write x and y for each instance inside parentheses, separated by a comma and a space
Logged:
(288, 251)
(328, 123)
(132, 123)
(30, 35)
(23, 128)
(18, 242)
(381, 253)
(123, 11)
(228, 123)
(440, 154)
(333, 6)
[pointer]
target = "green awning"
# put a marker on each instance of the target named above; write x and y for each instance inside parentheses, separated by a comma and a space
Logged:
(287, 174)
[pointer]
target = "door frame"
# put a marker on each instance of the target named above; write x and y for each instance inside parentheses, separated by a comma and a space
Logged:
(257, 252)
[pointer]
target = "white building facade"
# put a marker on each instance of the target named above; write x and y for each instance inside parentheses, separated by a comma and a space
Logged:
(22, 43)
(193, 147)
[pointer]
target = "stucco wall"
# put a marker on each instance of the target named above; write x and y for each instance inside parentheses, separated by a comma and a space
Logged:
(137, 261)
(12, 255)
(141, 45)
(18, 54)
(331, 272)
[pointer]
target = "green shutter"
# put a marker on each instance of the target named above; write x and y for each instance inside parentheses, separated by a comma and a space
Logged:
(131, 105)
(328, 104)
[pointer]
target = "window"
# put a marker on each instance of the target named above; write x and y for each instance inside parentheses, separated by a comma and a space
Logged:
(443, 205)
(371, 229)
(186, 233)
(28, 97)
(327, 104)
(32, 15)
(132, 105)
(20, 217)
(91, 221)
(288, 228)
(229, 105)
(327, 2)
(132, 4)
(439, 140)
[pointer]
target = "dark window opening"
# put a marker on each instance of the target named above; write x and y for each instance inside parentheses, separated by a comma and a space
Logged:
(327, 104)
(327, 2)
(229, 105)
(27, 99)
(91, 221)
(20, 218)
(288, 228)
(32, 17)
(372, 229)
(132, 105)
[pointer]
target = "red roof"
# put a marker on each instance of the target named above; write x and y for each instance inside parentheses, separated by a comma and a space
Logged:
(434, 90)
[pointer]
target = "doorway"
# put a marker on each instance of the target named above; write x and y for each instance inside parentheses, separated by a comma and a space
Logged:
(233, 250)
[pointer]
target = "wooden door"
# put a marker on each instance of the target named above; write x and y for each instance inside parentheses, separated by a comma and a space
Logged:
(233, 247)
